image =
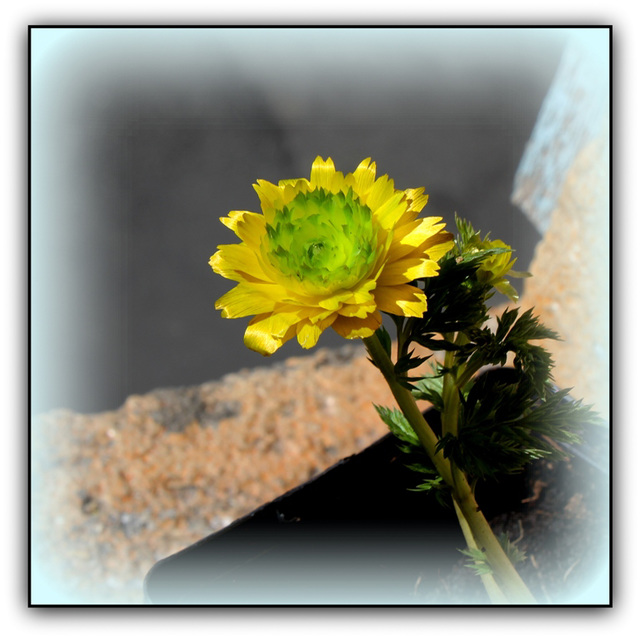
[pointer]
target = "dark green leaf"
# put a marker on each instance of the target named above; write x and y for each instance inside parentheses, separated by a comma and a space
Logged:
(385, 339)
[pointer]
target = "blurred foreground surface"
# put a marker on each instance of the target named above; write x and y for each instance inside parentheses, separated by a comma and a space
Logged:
(120, 490)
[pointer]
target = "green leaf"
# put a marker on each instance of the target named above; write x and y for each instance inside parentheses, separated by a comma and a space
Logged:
(398, 424)
(528, 328)
(506, 420)
(428, 485)
(505, 323)
(430, 389)
(420, 468)
(436, 345)
(478, 561)
(385, 339)
(514, 554)
(505, 423)
(519, 274)
(408, 362)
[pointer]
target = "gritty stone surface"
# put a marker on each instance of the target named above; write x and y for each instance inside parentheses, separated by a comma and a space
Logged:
(570, 285)
(117, 491)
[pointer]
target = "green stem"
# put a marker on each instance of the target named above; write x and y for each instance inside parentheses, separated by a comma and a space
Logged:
(403, 330)
(409, 407)
(450, 396)
(467, 373)
(505, 572)
(496, 595)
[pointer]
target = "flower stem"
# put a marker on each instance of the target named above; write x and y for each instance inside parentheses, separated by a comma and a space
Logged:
(505, 573)
(450, 397)
(496, 595)
(409, 407)
(503, 569)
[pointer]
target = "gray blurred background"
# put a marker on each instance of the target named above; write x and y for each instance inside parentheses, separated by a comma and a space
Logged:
(141, 139)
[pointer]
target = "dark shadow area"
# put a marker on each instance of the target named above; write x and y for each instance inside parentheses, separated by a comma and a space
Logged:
(360, 534)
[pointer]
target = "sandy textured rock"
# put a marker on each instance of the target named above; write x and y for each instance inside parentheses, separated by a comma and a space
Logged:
(562, 185)
(570, 284)
(117, 491)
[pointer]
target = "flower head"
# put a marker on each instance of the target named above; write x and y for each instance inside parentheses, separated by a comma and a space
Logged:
(332, 250)
(494, 268)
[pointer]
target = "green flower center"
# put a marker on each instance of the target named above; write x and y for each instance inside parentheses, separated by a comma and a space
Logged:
(322, 242)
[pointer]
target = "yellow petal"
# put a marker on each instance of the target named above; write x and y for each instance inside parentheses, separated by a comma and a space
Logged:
(414, 233)
(337, 183)
(419, 238)
(231, 221)
(406, 270)
(322, 316)
(384, 243)
(313, 314)
(309, 332)
(267, 332)
(438, 245)
(362, 294)
(291, 188)
(391, 211)
(403, 300)
(271, 196)
(334, 301)
(417, 199)
(249, 227)
(238, 263)
(296, 182)
(363, 177)
(322, 173)
(249, 299)
(356, 328)
(357, 310)
(380, 192)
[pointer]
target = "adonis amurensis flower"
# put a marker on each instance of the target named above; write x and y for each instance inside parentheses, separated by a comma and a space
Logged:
(494, 269)
(333, 250)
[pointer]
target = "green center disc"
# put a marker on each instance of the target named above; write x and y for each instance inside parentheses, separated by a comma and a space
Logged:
(322, 242)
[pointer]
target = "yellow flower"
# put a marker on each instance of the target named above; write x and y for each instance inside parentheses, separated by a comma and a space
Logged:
(493, 269)
(332, 250)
